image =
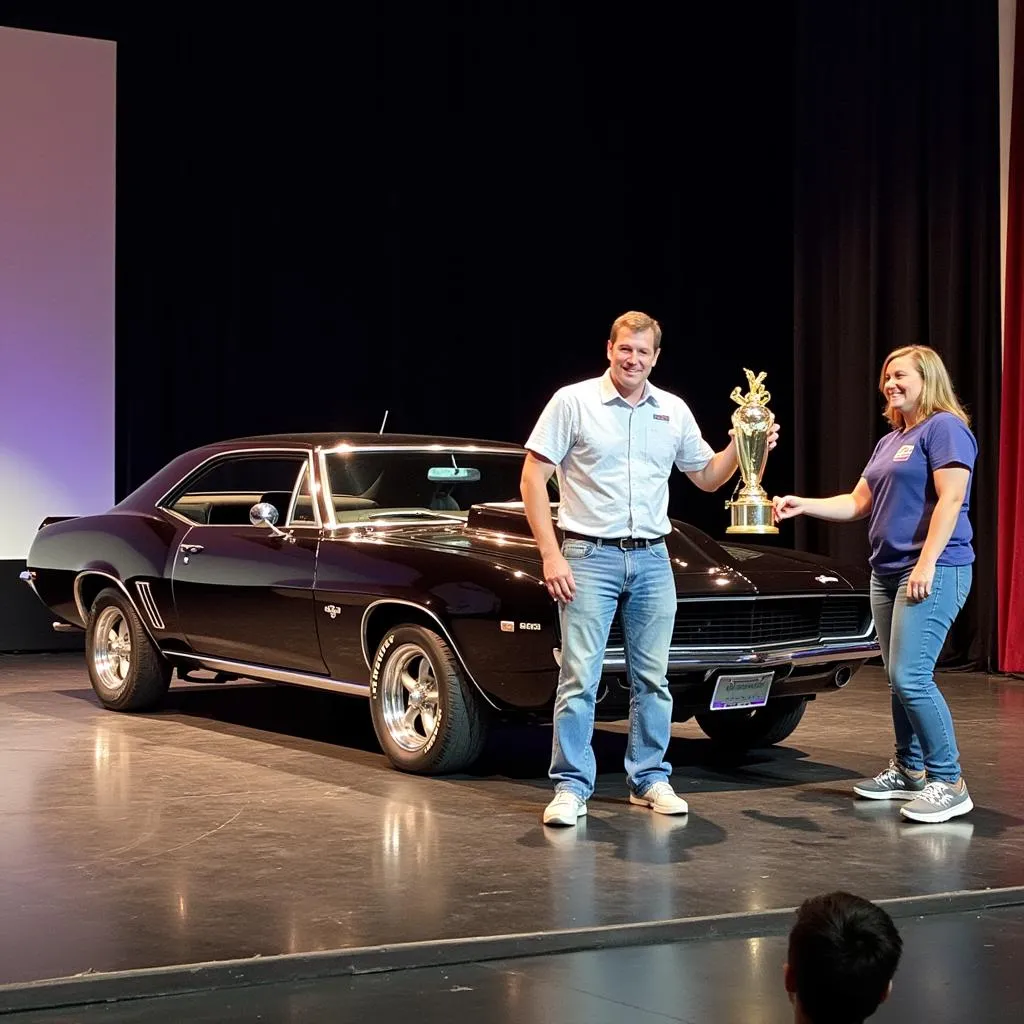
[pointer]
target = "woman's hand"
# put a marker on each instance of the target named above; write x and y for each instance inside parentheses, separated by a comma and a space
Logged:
(919, 585)
(787, 507)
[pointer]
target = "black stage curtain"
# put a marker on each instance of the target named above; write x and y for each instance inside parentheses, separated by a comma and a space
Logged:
(896, 241)
(438, 210)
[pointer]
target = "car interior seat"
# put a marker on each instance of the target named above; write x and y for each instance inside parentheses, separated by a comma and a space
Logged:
(442, 501)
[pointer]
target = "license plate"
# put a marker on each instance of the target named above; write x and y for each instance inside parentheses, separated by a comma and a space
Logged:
(742, 691)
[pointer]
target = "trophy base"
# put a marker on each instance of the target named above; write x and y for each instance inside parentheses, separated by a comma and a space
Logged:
(751, 517)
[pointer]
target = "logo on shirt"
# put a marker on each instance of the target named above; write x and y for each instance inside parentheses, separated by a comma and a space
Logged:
(903, 453)
(661, 416)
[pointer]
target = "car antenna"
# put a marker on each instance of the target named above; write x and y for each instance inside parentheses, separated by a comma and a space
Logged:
(383, 421)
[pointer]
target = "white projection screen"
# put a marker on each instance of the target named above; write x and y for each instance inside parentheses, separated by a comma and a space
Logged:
(57, 142)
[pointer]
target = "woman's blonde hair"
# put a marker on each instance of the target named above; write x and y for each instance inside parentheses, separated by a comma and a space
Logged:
(937, 394)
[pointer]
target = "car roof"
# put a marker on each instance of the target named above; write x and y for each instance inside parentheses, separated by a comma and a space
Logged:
(332, 440)
(152, 490)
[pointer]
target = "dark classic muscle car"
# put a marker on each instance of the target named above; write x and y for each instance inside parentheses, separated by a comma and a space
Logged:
(402, 569)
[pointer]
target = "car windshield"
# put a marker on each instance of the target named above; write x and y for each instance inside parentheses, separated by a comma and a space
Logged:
(428, 484)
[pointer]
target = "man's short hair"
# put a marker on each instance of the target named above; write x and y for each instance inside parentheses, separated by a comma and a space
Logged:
(636, 322)
(843, 953)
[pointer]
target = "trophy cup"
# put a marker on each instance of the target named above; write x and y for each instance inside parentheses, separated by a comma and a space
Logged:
(752, 423)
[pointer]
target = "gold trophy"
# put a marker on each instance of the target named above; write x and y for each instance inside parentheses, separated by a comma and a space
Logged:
(752, 423)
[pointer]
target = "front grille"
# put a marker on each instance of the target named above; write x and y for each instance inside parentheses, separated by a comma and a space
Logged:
(845, 616)
(762, 622)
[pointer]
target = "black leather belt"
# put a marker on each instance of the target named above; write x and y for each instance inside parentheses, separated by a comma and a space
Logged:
(626, 543)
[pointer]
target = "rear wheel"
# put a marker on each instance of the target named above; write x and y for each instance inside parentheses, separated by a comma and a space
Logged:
(427, 716)
(748, 728)
(127, 672)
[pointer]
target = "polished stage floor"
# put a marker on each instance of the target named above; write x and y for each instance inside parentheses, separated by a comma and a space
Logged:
(255, 836)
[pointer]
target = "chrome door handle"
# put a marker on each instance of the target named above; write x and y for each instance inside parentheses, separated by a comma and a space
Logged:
(191, 549)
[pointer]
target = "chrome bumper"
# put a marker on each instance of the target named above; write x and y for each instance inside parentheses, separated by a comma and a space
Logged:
(681, 659)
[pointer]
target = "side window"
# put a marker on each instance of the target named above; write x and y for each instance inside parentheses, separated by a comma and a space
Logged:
(227, 489)
(303, 510)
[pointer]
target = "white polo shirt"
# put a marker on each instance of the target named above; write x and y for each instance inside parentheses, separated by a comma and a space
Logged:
(613, 460)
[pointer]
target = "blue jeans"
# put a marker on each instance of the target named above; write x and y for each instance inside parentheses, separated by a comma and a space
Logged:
(911, 634)
(641, 583)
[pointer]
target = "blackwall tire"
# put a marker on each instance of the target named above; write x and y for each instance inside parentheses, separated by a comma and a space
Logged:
(757, 727)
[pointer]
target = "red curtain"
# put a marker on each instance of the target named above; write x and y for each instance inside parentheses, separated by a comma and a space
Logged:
(1011, 446)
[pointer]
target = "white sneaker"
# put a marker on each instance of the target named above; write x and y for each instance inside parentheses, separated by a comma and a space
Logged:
(564, 809)
(662, 799)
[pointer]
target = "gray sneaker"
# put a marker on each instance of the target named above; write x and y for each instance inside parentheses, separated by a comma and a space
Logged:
(895, 783)
(939, 801)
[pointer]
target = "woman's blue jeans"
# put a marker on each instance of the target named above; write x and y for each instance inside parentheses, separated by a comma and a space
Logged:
(911, 635)
(640, 583)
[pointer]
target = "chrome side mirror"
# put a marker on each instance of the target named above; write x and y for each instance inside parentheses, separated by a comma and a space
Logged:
(265, 514)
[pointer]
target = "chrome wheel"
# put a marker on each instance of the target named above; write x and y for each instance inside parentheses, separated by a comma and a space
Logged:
(409, 697)
(425, 713)
(112, 648)
(126, 668)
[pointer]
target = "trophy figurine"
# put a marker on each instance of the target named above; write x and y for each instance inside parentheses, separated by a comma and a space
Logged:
(752, 423)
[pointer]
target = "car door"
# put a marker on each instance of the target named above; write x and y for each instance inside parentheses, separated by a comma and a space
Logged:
(244, 592)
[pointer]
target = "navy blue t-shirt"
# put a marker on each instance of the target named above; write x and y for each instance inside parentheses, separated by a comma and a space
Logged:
(903, 496)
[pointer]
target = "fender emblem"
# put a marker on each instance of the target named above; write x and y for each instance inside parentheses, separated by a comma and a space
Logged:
(333, 610)
(827, 579)
(507, 627)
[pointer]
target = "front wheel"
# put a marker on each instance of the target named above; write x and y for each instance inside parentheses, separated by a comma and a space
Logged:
(127, 672)
(427, 717)
(748, 728)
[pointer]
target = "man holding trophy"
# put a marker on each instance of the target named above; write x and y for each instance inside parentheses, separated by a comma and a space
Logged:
(613, 441)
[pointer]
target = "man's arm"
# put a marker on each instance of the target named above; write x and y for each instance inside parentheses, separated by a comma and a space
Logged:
(534, 488)
(723, 464)
(719, 469)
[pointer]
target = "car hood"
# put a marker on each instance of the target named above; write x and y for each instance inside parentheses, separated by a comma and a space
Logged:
(501, 533)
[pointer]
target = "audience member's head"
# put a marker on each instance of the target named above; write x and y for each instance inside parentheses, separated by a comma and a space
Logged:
(843, 952)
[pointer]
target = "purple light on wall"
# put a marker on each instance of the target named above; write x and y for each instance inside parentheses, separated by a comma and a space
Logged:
(57, 140)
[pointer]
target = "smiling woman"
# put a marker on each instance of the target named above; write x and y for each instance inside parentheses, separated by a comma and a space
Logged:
(915, 488)
(915, 384)
(902, 385)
